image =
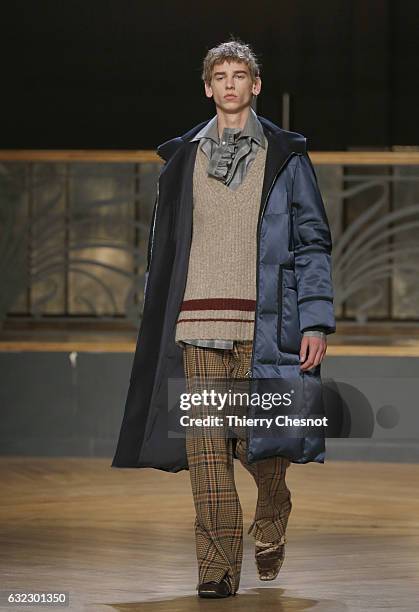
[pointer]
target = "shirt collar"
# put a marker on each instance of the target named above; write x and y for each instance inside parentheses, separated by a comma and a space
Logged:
(252, 129)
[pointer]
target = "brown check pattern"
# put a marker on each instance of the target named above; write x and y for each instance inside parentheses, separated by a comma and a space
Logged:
(219, 520)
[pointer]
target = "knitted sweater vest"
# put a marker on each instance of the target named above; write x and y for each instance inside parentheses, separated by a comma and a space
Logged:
(220, 293)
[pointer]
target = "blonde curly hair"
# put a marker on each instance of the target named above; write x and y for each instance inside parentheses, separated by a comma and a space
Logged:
(232, 50)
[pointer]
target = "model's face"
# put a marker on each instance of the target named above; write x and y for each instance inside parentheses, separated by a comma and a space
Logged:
(232, 87)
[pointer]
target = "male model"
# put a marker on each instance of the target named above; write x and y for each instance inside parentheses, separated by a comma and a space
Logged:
(238, 286)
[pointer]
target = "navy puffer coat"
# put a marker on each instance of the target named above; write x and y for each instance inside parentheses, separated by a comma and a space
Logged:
(294, 292)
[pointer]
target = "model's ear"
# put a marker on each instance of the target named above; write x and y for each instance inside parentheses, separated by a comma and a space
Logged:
(257, 86)
(208, 90)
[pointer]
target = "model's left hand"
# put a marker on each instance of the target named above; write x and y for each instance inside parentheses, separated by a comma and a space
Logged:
(312, 351)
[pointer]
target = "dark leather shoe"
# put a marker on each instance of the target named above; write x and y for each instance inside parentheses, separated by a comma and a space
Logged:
(214, 589)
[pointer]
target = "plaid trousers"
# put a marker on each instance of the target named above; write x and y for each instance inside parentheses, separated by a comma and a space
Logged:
(210, 453)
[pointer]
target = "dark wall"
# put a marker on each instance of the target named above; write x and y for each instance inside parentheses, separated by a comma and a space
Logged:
(55, 406)
(126, 74)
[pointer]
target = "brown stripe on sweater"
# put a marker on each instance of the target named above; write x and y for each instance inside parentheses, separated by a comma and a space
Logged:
(219, 304)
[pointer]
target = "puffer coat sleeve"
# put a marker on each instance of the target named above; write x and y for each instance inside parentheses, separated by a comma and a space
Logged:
(312, 250)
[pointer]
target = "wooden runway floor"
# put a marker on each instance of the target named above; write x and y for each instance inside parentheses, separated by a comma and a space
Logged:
(123, 539)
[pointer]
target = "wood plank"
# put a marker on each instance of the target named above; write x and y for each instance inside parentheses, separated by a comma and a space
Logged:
(129, 347)
(347, 158)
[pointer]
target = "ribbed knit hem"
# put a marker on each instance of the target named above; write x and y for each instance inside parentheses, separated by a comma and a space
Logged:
(207, 330)
(208, 318)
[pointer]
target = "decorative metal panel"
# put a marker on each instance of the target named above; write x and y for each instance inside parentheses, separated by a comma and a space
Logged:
(74, 238)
